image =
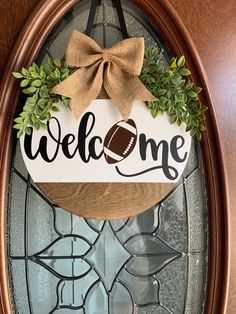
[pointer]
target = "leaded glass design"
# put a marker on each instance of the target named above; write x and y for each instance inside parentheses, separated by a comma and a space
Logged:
(152, 263)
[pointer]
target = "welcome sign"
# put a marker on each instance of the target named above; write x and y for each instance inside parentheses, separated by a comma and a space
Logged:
(108, 158)
(101, 147)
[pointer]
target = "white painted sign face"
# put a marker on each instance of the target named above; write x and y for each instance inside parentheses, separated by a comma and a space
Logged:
(101, 147)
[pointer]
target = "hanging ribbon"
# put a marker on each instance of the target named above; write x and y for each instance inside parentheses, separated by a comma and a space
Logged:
(116, 69)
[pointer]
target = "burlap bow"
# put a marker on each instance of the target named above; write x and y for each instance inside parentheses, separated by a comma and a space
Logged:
(116, 69)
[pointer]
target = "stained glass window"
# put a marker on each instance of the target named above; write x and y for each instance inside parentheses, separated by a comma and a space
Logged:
(155, 262)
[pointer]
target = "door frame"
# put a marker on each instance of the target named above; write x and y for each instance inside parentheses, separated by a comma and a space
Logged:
(161, 13)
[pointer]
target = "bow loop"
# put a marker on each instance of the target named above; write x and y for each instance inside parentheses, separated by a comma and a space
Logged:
(82, 51)
(119, 77)
(128, 55)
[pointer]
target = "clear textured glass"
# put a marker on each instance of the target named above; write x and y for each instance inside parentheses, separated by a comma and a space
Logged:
(155, 262)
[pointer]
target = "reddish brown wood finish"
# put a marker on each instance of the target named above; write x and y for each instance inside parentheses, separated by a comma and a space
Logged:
(13, 15)
(204, 31)
(212, 27)
(180, 41)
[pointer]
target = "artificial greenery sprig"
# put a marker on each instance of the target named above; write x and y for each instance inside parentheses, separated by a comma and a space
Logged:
(175, 94)
(37, 82)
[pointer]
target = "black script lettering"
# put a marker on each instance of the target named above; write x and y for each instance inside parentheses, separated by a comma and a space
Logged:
(84, 132)
(82, 146)
(174, 148)
(42, 145)
(143, 144)
(92, 150)
(67, 140)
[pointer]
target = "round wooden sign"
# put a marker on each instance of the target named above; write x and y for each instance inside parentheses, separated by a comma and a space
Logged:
(102, 167)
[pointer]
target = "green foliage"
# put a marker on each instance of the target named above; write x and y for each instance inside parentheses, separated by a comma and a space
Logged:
(175, 94)
(37, 82)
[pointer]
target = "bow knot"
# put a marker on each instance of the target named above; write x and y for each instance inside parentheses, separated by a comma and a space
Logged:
(119, 76)
(105, 55)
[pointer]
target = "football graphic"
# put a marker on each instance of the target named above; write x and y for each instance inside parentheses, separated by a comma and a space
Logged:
(120, 141)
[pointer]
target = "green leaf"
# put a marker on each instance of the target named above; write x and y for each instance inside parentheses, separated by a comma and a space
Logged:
(24, 114)
(181, 61)
(173, 119)
(18, 120)
(37, 125)
(50, 62)
(173, 64)
(36, 83)
(161, 92)
(27, 108)
(28, 130)
(193, 132)
(42, 75)
(199, 136)
(17, 75)
(17, 126)
(43, 125)
(57, 62)
(184, 71)
(192, 94)
(35, 75)
(34, 118)
(189, 85)
(66, 102)
(55, 109)
(35, 67)
(19, 133)
(44, 92)
(198, 90)
(26, 120)
(188, 128)
(203, 108)
(154, 113)
(31, 100)
(24, 83)
(29, 90)
(41, 102)
(24, 72)
(202, 127)
(57, 73)
(48, 116)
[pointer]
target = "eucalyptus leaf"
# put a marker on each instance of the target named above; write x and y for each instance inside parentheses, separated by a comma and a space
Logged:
(20, 133)
(24, 83)
(17, 75)
(29, 90)
(36, 83)
(181, 61)
(17, 126)
(184, 71)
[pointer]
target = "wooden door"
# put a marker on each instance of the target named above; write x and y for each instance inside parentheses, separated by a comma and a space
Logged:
(205, 32)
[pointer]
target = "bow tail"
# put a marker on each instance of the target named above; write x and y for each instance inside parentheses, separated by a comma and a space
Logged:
(124, 88)
(82, 87)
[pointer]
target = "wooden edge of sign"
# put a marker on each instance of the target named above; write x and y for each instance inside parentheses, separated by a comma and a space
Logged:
(106, 200)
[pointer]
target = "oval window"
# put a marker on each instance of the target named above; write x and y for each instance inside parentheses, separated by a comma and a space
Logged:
(155, 262)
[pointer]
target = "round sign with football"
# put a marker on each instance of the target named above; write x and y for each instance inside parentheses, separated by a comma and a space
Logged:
(101, 166)
(108, 158)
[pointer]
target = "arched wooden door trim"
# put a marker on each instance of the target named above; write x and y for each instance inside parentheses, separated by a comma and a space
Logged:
(41, 22)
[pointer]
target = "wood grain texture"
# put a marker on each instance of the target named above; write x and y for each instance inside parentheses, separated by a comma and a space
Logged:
(212, 27)
(13, 15)
(105, 200)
